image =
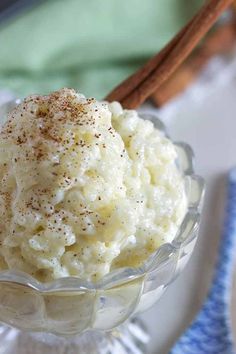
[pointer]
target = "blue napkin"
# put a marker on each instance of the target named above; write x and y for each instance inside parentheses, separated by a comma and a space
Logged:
(210, 332)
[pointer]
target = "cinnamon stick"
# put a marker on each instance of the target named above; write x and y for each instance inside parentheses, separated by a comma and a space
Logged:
(220, 41)
(133, 91)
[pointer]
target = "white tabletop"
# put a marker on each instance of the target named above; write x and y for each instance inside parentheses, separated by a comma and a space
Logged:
(205, 118)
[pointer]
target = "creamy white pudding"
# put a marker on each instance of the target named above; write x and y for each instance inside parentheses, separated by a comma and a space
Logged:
(85, 187)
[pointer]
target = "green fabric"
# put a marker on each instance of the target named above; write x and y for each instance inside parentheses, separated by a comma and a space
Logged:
(90, 45)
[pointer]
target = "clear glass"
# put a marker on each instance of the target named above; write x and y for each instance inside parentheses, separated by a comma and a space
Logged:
(89, 313)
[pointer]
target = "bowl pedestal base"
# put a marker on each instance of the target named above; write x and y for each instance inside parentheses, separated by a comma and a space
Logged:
(129, 338)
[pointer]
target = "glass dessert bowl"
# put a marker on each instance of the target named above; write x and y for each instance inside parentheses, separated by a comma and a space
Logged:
(92, 314)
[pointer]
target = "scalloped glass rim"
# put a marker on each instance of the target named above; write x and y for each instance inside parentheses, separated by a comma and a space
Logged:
(124, 275)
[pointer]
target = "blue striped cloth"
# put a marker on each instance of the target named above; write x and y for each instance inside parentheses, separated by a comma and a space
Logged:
(210, 332)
